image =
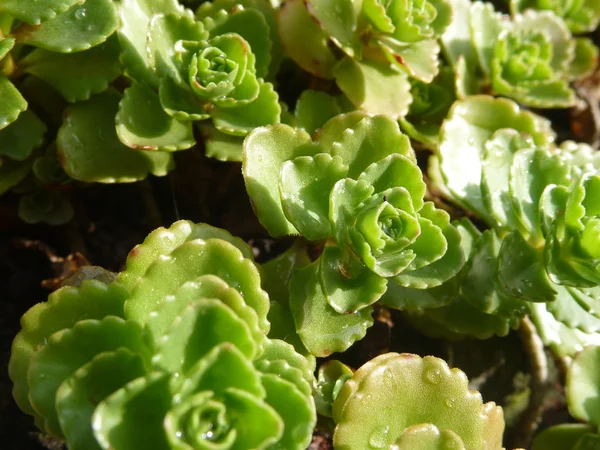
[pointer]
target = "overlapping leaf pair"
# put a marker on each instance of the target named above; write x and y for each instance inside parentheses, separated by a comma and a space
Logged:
(358, 191)
(173, 355)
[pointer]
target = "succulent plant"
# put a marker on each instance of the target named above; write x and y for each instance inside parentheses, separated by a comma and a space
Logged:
(172, 355)
(358, 191)
(580, 17)
(376, 44)
(531, 58)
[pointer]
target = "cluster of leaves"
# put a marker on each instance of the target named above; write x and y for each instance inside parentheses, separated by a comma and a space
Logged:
(174, 354)
(216, 355)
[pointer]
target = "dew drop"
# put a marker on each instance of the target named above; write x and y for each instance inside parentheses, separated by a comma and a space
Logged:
(388, 378)
(449, 402)
(379, 437)
(471, 141)
(179, 434)
(432, 376)
(80, 14)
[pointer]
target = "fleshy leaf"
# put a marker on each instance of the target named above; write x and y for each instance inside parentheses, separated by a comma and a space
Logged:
(370, 141)
(585, 59)
(78, 396)
(36, 12)
(134, 21)
(181, 102)
(561, 437)
(347, 283)
(304, 41)
(338, 19)
(90, 150)
(20, 138)
(196, 330)
(187, 262)
(583, 387)
(372, 396)
(12, 173)
(418, 59)
(162, 241)
(521, 270)
(239, 120)
(50, 207)
(79, 75)
(265, 151)
(322, 330)
(64, 308)
(305, 185)
(79, 28)
(13, 103)
(332, 376)
(373, 87)
(469, 125)
(314, 108)
(68, 350)
(204, 287)
(143, 124)
(221, 146)
(485, 25)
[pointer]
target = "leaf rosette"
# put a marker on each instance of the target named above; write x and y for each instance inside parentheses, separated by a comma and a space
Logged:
(580, 16)
(181, 364)
(192, 70)
(530, 59)
(358, 191)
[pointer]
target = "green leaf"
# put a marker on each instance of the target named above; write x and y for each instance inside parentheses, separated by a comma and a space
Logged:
(583, 387)
(322, 330)
(485, 27)
(265, 151)
(164, 32)
(36, 12)
(444, 268)
(373, 87)
(418, 59)
(181, 102)
(162, 241)
(187, 262)
(384, 398)
(368, 141)
(338, 18)
(495, 174)
(90, 150)
(64, 308)
(239, 120)
(79, 28)
(403, 298)
(22, 137)
(12, 173)
(522, 272)
(332, 376)
(200, 327)
(296, 409)
(585, 59)
(12, 104)
(561, 437)
(314, 108)
(197, 291)
(304, 41)
(429, 437)
(305, 185)
(76, 76)
(531, 171)
(221, 146)
(143, 124)
(347, 283)
(6, 45)
(135, 16)
(68, 350)
(78, 396)
(456, 40)
(470, 123)
(50, 207)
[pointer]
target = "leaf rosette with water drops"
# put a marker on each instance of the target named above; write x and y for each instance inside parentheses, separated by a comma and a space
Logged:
(358, 192)
(174, 355)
